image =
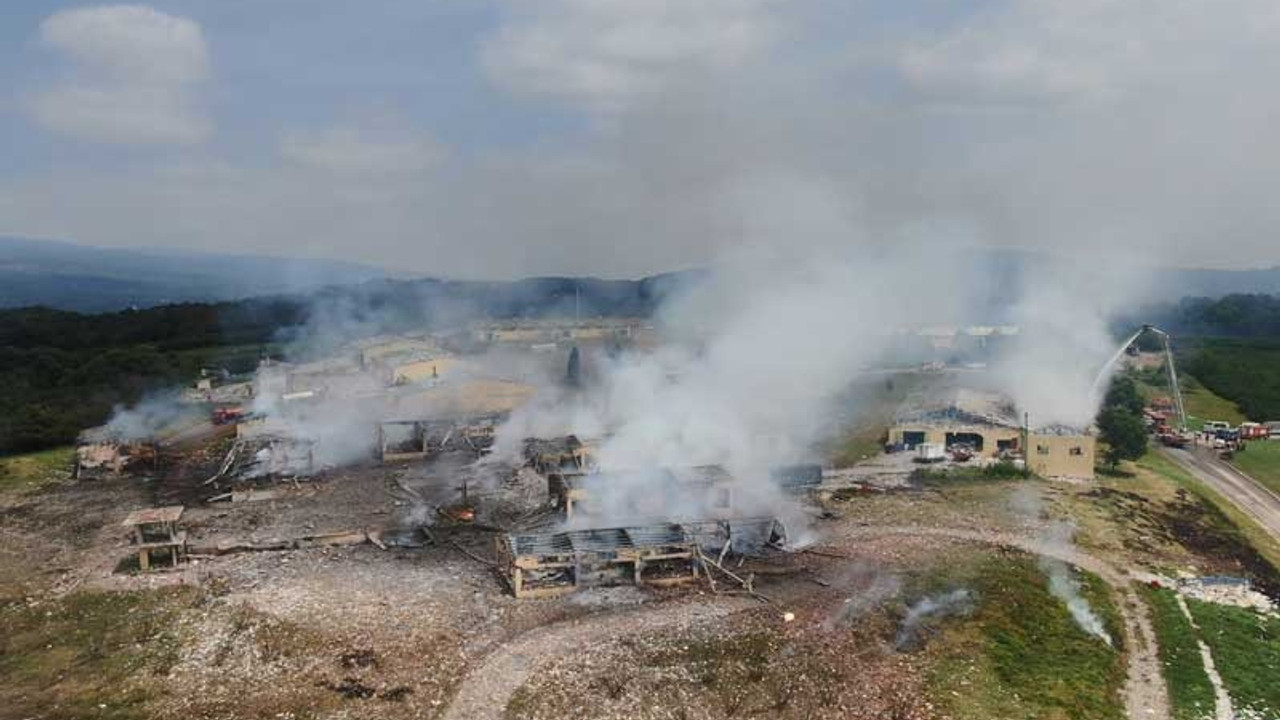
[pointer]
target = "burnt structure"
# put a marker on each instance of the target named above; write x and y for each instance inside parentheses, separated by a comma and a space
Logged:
(404, 440)
(557, 563)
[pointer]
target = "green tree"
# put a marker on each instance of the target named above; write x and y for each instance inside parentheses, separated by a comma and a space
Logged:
(1124, 435)
(573, 373)
(1123, 394)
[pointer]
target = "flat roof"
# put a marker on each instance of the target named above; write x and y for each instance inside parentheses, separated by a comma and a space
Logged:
(148, 516)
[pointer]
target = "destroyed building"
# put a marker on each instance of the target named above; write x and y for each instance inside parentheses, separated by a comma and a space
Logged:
(987, 424)
(102, 458)
(404, 440)
(557, 563)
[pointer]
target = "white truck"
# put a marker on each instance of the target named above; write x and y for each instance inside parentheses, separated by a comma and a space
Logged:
(931, 452)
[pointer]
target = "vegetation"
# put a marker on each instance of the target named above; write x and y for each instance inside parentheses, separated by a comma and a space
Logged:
(1124, 436)
(27, 473)
(82, 655)
(1244, 372)
(1216, 527)
(1190, 690)
(1020, 654)
(1261, 461)
(1246, 651)
(1120, 425)
(1239, 315)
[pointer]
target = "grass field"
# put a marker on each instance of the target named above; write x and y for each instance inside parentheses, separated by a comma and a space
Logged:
(1020, 654)
(1190, 690)
(1261, 461)
(1246, 651)
(32, 471)
(1203, 405)
(1199, 401)
(80, 656)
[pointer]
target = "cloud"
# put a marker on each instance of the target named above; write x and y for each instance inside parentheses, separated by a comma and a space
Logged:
(1089, 50)
(131, 76)
(669, 134)
(350, 150)
(608, 54)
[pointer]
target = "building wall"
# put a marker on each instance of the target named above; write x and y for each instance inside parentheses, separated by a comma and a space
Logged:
(937, 434)
(1062, 456)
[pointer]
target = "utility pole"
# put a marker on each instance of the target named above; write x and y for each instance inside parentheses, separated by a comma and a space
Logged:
(1026, 445)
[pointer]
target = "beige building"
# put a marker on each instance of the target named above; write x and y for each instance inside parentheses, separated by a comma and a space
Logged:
(1066, 455)
(988, 423)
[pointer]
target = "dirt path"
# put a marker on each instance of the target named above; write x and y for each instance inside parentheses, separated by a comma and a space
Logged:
(1246, 493)
(486, 690)
(1145, 694)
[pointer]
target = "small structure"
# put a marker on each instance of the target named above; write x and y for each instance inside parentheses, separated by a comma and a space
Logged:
(97, 459)
(402, 440)
(553, 564)
(157, 529)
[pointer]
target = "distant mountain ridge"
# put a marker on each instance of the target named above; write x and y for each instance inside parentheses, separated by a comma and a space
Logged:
(80, 278)
(83, 278)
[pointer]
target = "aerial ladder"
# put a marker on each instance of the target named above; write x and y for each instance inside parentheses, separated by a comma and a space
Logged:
(1173, 376)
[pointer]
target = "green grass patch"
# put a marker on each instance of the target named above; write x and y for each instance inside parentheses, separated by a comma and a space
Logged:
(854, 448)
(1190, 690)
(995, 472)
(1203, 405)
(83, 655)
(1020, 654)
(32, 471)
(1245, 372)
(1261, 461)
(1246, 651)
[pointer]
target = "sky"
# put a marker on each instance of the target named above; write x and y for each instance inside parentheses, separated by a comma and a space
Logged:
(504, 138)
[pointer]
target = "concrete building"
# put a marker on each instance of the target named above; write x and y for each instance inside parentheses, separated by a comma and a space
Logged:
(989, 424)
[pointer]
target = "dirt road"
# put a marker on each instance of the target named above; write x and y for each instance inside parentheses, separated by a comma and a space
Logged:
(486, 690)
(1246, 493)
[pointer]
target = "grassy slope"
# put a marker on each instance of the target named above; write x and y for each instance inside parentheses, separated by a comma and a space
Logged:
(1246, 651)
(1202, 405)
(1199, 401)
(1250, 531)
(1189, 686)
(81, 656)
(30, 472)
(1021, 655)
(1261, 461)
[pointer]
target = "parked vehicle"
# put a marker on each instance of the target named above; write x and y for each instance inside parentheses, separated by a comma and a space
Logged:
(931, 453)
(1253, 431)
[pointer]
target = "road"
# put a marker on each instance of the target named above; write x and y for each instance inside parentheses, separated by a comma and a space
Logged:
(1246, 493)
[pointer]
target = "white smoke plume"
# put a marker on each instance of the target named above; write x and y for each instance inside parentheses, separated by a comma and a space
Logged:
(1065, 587)
(1056, 538)
(150, 419)
(955, 602)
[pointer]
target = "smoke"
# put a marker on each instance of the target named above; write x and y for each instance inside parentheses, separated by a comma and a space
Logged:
(934, 607)
(1064, 586)
(1063, 583)
(151, 419)
(1056, 539)
(867, 585)
(758, 351)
